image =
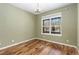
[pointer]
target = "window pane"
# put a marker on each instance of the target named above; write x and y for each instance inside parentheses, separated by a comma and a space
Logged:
(56, 21)
(55, 25)
(46, 22)
(45, 29)
(55, 29)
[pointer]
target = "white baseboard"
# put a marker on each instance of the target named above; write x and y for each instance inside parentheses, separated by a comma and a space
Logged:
(56, 42)
(39, 39)
(15, 44)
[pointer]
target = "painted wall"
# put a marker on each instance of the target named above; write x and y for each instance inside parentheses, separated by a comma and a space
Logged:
(78, 27)
(19, 25)
(15, 24)
(69, 25)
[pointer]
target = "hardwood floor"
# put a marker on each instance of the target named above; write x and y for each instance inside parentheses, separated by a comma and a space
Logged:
(39, 47)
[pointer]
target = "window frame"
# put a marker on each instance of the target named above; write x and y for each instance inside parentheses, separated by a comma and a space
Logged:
(49, 17)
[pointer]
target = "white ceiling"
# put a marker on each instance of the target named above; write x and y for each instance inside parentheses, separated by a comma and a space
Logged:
(30, 7)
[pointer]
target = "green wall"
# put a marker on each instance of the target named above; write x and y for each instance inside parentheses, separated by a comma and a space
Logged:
(15, 24)
(69, 25)
(19, 25)
(78, 27)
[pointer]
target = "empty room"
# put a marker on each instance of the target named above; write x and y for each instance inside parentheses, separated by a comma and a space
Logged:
(39, 29)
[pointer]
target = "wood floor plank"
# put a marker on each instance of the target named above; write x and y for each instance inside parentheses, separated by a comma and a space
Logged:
(27, 48)
(39, 47)
(36, 47)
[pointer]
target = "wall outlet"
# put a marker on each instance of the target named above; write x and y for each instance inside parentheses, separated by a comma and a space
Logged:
(67, 41)
(13, 41)
(78, 44)
(0, 43)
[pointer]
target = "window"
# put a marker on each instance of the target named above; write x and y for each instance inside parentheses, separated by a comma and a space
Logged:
(51, 24)
(46, 25)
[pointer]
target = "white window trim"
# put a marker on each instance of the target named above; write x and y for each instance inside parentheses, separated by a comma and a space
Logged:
(49, 17)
